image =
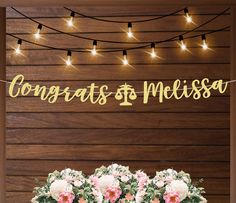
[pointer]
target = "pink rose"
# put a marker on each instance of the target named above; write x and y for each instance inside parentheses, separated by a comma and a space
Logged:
(172, 197)
(129, 197)
(66, 197)
(112, 194)
(155, 200)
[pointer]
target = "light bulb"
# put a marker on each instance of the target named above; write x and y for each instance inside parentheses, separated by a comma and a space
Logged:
(125, 59)
(153, 52)
(130, 33)
(37, 34)
(69, 61)
(94, 50)
(17, 49)
(204, 43)
(182, 44)
(70, 21)
(187, 16)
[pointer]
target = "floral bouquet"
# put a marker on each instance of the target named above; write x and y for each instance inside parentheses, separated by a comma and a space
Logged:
(168, 186)
(67, 186)
(117, 184)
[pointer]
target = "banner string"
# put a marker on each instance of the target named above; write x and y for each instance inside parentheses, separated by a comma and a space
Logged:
(137, 92)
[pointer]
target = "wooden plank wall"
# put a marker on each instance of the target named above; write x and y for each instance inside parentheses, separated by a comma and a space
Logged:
(186, 134)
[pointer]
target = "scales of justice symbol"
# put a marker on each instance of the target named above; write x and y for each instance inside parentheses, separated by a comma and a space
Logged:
(125, 92)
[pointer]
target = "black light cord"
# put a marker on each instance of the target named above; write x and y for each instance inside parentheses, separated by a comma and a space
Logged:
(118, 42)
(115, 50)
(125, 22)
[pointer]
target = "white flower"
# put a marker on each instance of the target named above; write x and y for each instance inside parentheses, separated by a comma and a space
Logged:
(124, 179)
(203, 200)
(78, 183)
(34, 200)
(98, 196)
(107, 181)
(178, 186)
(139, 196)
(59, 186)
(160, 184)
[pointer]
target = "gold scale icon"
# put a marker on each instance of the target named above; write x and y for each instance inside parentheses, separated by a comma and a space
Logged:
(125, 92)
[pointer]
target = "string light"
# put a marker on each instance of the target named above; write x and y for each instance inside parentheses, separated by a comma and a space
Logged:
(130, 33)
(94, 50)
(153, 52)
(125, 59)
(182, 44)
(17, 49)
(70, 21)
(69, 60)
(37, 34)
(204, 43)
(187, 16)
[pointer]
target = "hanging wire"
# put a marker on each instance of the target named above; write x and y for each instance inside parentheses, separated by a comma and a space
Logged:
(119, 42)
(125, 22)
(115, 50)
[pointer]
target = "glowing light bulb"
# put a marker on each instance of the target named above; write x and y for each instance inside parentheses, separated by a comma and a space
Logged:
(37, 34)
(70, 22)
(130, 33)
(125, 59)
(187, 16)
(69, 60)
(182, 44)
(153, 52)
(94, 50)
(204, 43)
(17, 49)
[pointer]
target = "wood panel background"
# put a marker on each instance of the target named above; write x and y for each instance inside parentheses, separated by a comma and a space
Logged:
(186, 134)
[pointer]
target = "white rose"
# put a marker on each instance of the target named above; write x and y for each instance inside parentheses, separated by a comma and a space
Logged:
(106, 181)
(178, 186)
(78, 183)
(59, 186)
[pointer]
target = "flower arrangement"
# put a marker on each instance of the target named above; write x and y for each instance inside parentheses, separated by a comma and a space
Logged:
(117, 184)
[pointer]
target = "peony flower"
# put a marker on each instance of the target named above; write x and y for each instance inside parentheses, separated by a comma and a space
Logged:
(82, 200)
(112, 194)
(59, 186)
(178, 186)
(66, 197)
(172, 197)
(155, 200)
(129, 197)
(107, 181)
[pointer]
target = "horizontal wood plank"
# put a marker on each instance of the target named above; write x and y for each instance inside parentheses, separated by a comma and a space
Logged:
(110, 10)
(34, 104)
(119, 136)
(172, 56)
(43, 167)
(90, 25)
(117, 120)
(117, 72)
(114, 152)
